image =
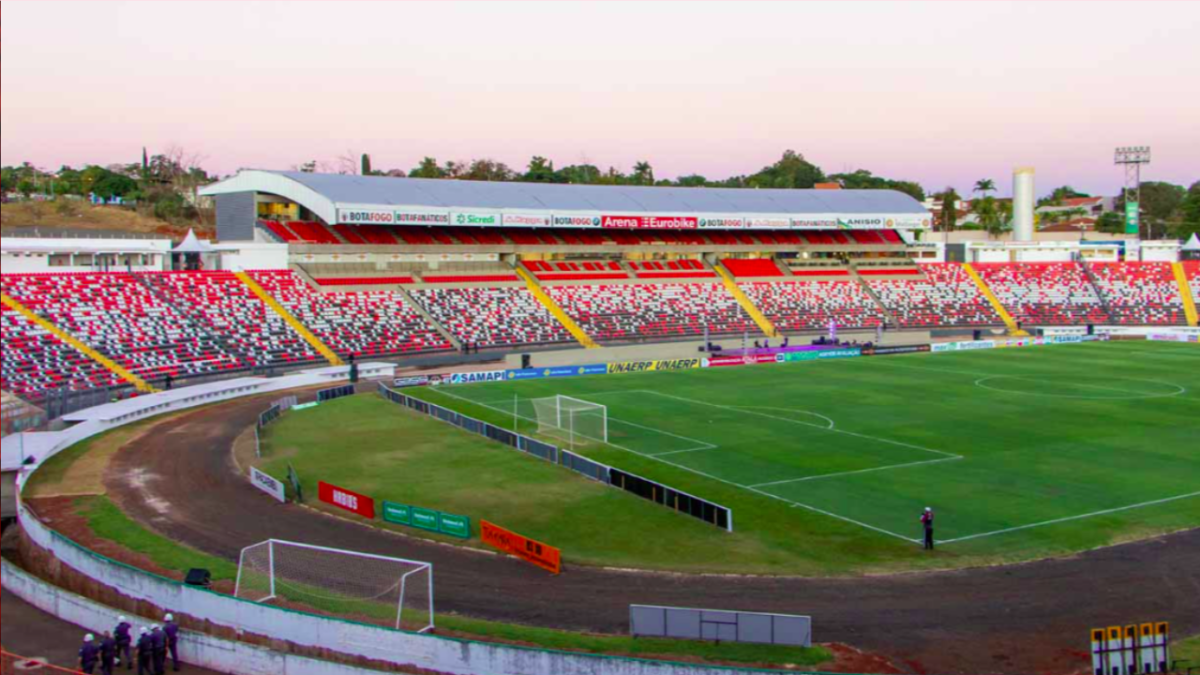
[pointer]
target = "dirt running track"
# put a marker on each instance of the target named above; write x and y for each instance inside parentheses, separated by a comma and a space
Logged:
(1028, 619)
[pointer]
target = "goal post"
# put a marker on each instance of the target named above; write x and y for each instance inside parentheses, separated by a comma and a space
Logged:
(571, 419)
(358, 586)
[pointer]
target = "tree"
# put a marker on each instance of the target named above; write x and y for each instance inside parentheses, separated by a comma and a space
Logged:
(366, 165)
(643, 174)
(1189, 213)
(1060, 195)
(489, 170)
(865, 180)
(428, 168)
(984, 186)
(949, 214)
(583, 174)
(791, 172)
(541, 170)
(993, 216)
(693, 180)
(1110, 222)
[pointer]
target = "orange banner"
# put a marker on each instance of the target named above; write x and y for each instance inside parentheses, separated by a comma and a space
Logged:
(533, 552)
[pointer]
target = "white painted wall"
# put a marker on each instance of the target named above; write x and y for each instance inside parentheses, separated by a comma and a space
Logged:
(255, 256)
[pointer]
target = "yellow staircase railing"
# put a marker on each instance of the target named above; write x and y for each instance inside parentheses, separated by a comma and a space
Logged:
(996, 304)
(1185, 292)
(552, 306)
(69, 339)
(764, 324)
(292, 321)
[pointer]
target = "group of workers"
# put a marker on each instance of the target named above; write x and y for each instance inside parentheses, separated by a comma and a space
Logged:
(117, 647)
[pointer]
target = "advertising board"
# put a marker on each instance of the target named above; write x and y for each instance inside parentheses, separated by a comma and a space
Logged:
(473, 378)
(346, 500)
(427, 519)
(531, 551)
(898, 349)
(768, 223)
(392, 217)
(748, 360)
(650, 222)
(723, 223)
(405, 382)
(791, 357)
(268, 485)
(577, 221)
(557, 371)
(647, 366)
(474, 219)
(526, 220)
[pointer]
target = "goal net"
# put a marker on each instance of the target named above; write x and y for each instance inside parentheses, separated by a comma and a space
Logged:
(571, 419)
(358, 586)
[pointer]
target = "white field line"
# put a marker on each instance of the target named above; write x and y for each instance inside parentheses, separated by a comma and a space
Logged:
(832, 424)
(855, 473)
(807, 424)
(1072, 518)
(793, 504)
(1129, 395)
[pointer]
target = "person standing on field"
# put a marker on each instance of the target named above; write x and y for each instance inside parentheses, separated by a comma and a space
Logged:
(145, 653)
(927, 521)
(124, 641)
(172, 631)
(108, 654)
(89, 653)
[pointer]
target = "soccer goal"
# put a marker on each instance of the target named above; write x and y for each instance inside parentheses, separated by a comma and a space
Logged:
(571, 419)
(354, 585)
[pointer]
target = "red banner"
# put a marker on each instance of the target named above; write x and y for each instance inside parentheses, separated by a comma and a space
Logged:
(346, 500)
(650, 222)
(533, 552)
(719, 361)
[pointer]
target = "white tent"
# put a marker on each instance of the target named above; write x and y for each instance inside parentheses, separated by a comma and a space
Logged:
(1193, 245)
(191, 244)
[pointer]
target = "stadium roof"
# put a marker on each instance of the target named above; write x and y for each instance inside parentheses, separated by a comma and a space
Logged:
(326, 195)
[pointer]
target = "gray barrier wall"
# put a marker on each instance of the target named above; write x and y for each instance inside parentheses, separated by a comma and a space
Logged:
(720, 626)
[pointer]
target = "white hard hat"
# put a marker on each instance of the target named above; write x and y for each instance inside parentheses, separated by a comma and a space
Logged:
(154, 627)
(170, 617)
(927, 508)
(144, 630)
(120, 619)
(89, 638)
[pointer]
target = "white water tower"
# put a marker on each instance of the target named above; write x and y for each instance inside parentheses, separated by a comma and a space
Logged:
(1024, 203)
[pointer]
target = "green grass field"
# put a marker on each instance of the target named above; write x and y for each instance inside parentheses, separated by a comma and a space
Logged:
(826, 465)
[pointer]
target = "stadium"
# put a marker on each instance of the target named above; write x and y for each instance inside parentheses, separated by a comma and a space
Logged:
(449, 426)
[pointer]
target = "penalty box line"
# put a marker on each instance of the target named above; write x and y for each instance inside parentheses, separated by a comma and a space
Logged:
(761, 493)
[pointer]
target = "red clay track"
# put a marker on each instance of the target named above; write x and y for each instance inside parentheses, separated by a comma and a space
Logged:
(1026, 619)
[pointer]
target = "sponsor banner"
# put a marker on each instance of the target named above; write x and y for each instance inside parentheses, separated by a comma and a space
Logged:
(524, 374)
(725, 223)
(899, 349)
(346, 500)
(791, 357)
(268, 485)
(474, 219)
(454, 526)
(305, 406)
(424, 519)
(427, 519)
(533, 552)
(577, 221)
(524, 220)
(473, 378)
(748, 360)
(597, 369)
(767, 223)
(414, 217)
(975, 345)
(814, 223)
(1173, 337)
(366, 217)
(646, 366)
(439, 380)
(863, 223)
(405, 382)
(650, 222)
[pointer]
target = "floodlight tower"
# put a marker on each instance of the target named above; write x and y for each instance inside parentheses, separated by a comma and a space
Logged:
(1133, 158)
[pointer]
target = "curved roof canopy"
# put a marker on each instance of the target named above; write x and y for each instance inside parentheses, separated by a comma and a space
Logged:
(332, 196)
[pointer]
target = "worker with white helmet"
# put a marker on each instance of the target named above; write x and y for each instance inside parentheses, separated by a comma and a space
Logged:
(89, 653)
(124, 642)
(171, 629)
(145, 652)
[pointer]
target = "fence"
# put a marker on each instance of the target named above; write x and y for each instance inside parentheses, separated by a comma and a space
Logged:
(11, 664)
(720, 626)
(711, 513)
(335, 393)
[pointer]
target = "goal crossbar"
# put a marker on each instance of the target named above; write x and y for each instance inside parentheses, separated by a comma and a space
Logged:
(575, 418)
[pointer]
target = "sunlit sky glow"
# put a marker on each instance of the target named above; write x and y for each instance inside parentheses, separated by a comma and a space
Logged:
(943, 92)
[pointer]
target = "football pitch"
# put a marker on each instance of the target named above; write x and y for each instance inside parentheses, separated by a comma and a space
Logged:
(1078, 445)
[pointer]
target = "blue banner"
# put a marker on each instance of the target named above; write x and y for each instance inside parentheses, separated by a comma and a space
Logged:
(528, 374)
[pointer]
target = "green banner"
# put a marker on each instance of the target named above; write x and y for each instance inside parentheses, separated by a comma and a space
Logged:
(400, 514)
(1133, 218)
(427, 519)
(455, 526)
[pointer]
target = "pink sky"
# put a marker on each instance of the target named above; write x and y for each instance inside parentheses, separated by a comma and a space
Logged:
(943, 93)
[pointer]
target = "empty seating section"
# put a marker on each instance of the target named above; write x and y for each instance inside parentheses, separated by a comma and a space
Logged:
(1141, 294)
(1192, 269)
(945, 296)
(1045, 293)
(122, 318)
(228, 308)
(492, 317)
(369, 324)
(814, 305)
(350, 234)
(280, 231)
(674, 269)
(36, 364)
(752, 268)
(576, 271)
(313, 233)
(660, 311)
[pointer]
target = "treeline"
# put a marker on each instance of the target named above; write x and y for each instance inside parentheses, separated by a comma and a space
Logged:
(165, 185)
(791, 172)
